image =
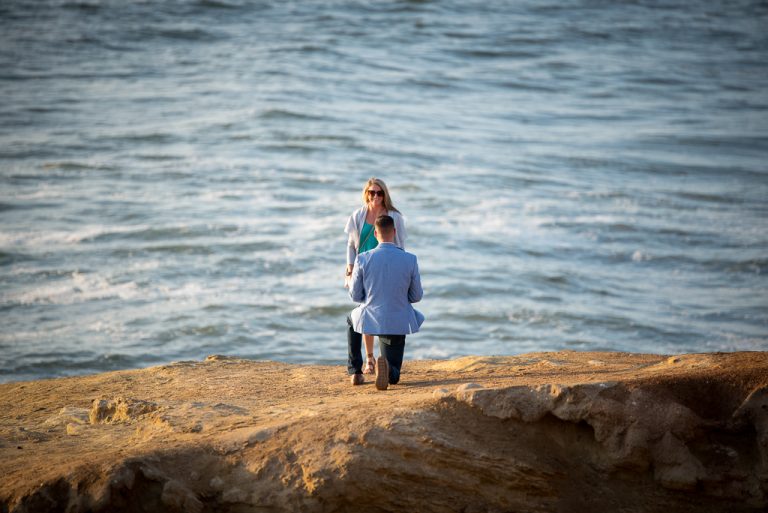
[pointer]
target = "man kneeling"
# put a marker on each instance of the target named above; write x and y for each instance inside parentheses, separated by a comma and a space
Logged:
(385, 281)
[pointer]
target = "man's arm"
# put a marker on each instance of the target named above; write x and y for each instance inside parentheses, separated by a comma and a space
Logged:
(415, 293)
(356, 287)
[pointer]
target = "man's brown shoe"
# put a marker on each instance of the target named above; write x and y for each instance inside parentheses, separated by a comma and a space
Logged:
(357, 379)
(382, 373)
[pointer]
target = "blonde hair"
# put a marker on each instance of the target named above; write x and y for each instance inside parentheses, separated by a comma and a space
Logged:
(387, 198)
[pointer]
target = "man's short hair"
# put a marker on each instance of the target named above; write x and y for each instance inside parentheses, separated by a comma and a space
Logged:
(385, 224)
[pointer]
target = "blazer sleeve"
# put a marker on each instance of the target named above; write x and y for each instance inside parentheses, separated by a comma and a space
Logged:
(415, 292)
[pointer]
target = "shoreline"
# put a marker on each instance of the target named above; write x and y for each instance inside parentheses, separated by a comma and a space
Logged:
(560, 431)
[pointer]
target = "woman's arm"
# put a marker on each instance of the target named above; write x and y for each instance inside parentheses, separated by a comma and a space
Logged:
(353, 238)
(351, 253)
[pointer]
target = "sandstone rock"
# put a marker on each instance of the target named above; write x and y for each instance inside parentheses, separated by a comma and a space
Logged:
(540, 432)
(121, 409)
(176, 497)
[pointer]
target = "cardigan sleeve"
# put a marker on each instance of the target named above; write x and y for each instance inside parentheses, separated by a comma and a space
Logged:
(400, 233)
(353, 235)
(351, 253)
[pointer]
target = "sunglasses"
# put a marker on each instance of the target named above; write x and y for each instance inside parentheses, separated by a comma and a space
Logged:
(376, 193)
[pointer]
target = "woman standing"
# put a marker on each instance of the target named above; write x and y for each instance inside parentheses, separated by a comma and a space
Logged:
(376, 202)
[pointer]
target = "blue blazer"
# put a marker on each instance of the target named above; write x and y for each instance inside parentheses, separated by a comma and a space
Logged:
(386, 281)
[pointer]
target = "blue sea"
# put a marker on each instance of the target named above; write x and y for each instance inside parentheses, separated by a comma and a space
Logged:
(175, 175)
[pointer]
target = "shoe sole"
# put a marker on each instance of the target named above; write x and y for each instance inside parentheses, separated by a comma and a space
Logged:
(382, 374)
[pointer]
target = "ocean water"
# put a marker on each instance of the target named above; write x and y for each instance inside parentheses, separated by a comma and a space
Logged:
(175, 175)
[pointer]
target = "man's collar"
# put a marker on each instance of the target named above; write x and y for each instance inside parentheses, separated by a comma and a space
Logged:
(389, 245)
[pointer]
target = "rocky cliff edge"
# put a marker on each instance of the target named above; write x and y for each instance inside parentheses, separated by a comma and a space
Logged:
(538, 432)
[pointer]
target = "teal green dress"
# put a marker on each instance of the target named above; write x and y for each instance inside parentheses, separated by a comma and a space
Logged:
(367, 239)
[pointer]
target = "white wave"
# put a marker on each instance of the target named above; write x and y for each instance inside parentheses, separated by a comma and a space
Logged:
(186, 291)
(144, 265)
(430, 353)
(27, 341)
(44, 192)
(640, 256)
(29, 240)
(79, 288)
(216, 197)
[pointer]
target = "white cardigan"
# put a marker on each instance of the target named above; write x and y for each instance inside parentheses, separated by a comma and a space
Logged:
(355, 226)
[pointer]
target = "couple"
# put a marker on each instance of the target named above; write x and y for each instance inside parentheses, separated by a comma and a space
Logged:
(385, 281)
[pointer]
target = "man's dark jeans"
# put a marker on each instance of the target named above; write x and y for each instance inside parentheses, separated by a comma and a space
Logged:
(392, 348)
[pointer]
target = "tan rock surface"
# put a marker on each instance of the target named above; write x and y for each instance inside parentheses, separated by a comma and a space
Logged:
(537, 432)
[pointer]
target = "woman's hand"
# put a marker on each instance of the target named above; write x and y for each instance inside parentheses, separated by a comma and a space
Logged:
(349, 269)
